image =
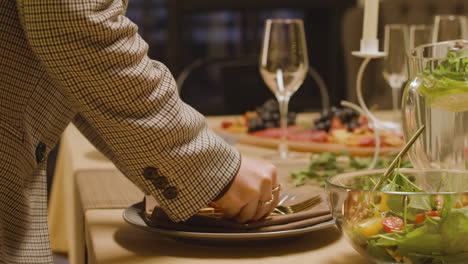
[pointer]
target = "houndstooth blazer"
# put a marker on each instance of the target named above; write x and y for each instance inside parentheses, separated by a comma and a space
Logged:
(83, 61)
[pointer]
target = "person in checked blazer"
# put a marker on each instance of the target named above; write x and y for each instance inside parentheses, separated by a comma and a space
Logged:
(82, 61)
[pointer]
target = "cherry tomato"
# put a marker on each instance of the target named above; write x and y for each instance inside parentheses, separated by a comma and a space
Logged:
(392, 223)
(419, 218)
(226, 124)
(433, 214)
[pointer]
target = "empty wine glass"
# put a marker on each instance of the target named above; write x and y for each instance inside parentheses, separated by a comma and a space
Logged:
(450, 27)
(395, 66)
(283, 66)
(419, 35)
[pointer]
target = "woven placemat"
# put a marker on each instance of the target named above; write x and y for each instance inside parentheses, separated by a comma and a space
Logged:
(106, 189)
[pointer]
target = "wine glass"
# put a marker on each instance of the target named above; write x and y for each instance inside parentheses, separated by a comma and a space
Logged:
(283, 65)
(450, 27)
(395, 70)
(419, 35)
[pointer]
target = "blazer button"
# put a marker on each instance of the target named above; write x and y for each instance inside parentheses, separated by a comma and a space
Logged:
(160, 182)
(170, 193)
(150, 173)
(40, 152)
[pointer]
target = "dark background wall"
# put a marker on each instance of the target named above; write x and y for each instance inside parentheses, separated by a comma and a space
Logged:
(180, 32)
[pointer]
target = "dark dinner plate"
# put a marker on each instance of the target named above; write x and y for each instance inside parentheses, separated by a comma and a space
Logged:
(133, 216)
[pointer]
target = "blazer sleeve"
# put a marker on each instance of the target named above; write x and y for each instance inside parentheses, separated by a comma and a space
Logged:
(127, 103)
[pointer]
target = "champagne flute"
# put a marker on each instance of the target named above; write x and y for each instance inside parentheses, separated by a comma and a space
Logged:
(450, 27)
(418, 35)
(283, 65)
(395, 70)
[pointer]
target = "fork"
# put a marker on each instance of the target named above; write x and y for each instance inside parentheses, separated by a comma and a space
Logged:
(304, 205)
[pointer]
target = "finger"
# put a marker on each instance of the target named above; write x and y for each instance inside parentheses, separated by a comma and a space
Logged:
(268, 194)
(264, 204)
(230, 207)
(247, 213)
(276, 195)
(230, 212)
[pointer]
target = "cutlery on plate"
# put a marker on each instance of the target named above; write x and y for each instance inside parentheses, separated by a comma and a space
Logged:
(285, 197)
(304, 205)
(279, 210)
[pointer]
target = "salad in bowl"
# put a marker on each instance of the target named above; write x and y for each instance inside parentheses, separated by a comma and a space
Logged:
(417, 216)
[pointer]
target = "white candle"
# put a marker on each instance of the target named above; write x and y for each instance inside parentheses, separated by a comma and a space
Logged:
(371, 16)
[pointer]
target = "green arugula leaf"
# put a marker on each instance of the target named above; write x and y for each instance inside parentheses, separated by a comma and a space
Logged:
(454, 230)
(299, 179)
(378, 251)
(423, 202)
(387, 240)
(449, 203)
(419, 241)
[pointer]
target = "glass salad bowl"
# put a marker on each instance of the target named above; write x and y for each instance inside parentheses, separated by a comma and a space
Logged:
(428, 224)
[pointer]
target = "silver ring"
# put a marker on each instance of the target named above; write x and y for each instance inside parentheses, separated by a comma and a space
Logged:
(263, 203)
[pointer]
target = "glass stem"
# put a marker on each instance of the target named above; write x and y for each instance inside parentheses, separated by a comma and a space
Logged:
(396, 103)
(283, 107)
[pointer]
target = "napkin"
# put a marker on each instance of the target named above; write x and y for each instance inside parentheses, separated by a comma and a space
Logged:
(208, 224)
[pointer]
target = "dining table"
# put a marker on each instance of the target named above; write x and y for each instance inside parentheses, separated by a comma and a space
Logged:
(89, 196)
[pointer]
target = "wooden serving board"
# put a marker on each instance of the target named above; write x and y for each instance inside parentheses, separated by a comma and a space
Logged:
(304, 146)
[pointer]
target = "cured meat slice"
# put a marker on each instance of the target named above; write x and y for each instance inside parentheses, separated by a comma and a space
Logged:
(294, 134)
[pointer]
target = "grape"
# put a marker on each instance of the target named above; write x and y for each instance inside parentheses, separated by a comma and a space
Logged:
(266, 115)
(269, 116)
(320, 126)
(271, 105)
(255, 124)
(270, 124)
(348, 117)
(333, 109)
(353, 124)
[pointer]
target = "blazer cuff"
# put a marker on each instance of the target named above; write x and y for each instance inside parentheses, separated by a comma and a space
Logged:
(207, 177)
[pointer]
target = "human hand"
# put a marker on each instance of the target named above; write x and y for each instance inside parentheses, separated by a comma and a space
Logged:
(251, 195)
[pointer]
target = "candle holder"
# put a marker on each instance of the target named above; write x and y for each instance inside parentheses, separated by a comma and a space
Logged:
(369, 49)
(368, 52)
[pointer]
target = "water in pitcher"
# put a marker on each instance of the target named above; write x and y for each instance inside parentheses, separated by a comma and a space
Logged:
(437, 97)
(445, 141)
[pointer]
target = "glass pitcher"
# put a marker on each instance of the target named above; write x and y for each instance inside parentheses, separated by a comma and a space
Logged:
(437, 96)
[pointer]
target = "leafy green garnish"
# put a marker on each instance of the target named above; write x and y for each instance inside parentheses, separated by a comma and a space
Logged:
(454, 67)
(454, 233)
(419, 241)
(376, 250)
(446, 86)
(327, 164)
